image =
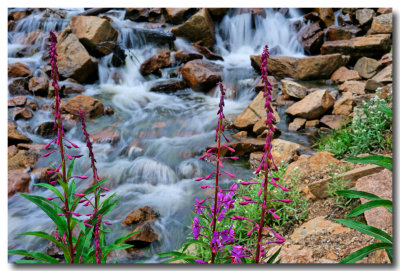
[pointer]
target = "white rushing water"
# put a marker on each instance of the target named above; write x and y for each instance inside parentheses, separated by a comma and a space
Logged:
(169, 131)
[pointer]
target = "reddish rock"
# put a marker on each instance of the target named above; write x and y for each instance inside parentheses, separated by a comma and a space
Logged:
(384, 76)
(183, 56)
(381, 24)
(17, 101)
(386, 60)
(140, 215)
(68, 88)
(32, 147)
(145, 237)
(344, 106)
(177, 15)
(334, 121)
(20, 14)
(23, 159)
(201, 75)
(356, 87)
(15, 136)
(284, 151)
(343, 74)
(18, 86)
(12, 150)
(168, 86)
(312, 123)
(311, 38)
(367, 67)
(32, 105)
(18, 181)
(152, 65)
(207, 52)
(364, 16)
(91, 107)
(240, 135)
(284, 100)
(46, 130)
(343, 33)
(23, 113)
(293, 89)
(107, 135)
(326, 15)
(384, 10)
(144, 14)
(296, 124)
(39, 86)
(259, 86)
(18, 69)
(42, 176)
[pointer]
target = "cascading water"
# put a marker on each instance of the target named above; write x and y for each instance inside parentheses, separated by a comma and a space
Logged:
(161, 135)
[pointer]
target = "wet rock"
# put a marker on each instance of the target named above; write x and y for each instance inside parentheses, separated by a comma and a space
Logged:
(384, 76)
(96, 34)
(168, 86)
(207, 52)
(312, 123)
(356, 87)
(312, 106)
(343, 33)
(373, 46)
(152, 65)
(296, 124)
(201, 75)
(307, 68)
(18, 86)
(293, 89)
(144, 14)
(39, 86)
(31, 147)
(284, 100)
(311, 38)
(107, 135)
(18, 15)
(254, 11)
(32, 105)
(178, 15)
(46, 130)
(18, 69)
(326, 15)
(344, 106)
(345, 19)
(155, 36)
(74, 60)
(227, 122)
(91, 107)
(18, 181)
(343, 74)
(240, 135)
(284, 151)
(199, 27)
(381, 24)
(15, 136)
(217, 13)
(379, 184)
(367, 67)
(31, 38)
(140, 215)
(108, 110)
(259, 86)
(67, 88)
(23, 159)
(253, 113)
(145, 237)
(260, 126)
(365, 15)
(42, 176)
(17, 101)
(23, 113)
(183, 56)
(334, 121)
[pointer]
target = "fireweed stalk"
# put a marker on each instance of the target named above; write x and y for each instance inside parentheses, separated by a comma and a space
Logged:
(268, 178)
(222, 202)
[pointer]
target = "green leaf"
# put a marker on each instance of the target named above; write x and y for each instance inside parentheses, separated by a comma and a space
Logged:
(123, 238)
(386, 110)
(361, 253)
(379, 160)
(36, 255)
(71, 189)
(176, 256)
(28, 262)
(195, 241)
(389, 253)
(369, 205)
(93, 187)
(70, 169)
(354, 194)
(273, 257)
(372, 231)
(83, 244)
(52, 188)
(42, 234)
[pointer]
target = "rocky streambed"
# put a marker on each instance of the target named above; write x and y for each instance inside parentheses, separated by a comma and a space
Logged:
(147, 78)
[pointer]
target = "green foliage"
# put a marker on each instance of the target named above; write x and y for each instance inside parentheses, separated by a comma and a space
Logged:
(338, 182)
(370, 131)
(379, 160)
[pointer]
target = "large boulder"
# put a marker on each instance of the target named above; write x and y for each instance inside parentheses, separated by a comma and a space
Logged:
(293, 89)
(201, 75)
(161, 59)
(343, 74)
(183, 56)
(145, 237)
(140, 215)
(15, 136)
(343, 32)
(18, 69)
(91, 107)
(74, 60)
(369, 46)
(178, 15)
(18, 181)
(199, 27)
(367, 67)
(364, 16)
(311, 38)
(306, 68)
(312, 106)
(381, 24)
(95, 33)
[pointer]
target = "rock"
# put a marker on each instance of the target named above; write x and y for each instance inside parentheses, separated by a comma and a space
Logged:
(319, 188)
(73, 59)
(145, 237)
(312, 106)
(386, 60)
(217, 13)
(39, 86)
(242, 147)
(284, 151)
(96, 34)
(326, 15)
(42, 176)
(18, 181)
(312, 123)
(284, 100)
(18, 69)
(254, 11)
(15, 136)
(255, 159)
(384, 76)
(343, 74)
(23, 159)
(46, 129)
(379, 184)
(344, 19)
(91, 107)
(18, 86)
(294, 254)
(18, 15)
(31, 147)
(168, 86)
(260, 126)
(201, 75)
(140, 215)
(199, 27)
(107, 135)
(311, 37)
(23, 113)
(17, 101)
(227, 122)
(12, 150)
(306, 68)
(154, 36)
(384, 10)
(207, 52)
(160, 60)
(381, 24)
(143, 14)
(356, 87)
(32, 105)
(373, 46)
(372, 85)
(296, 124)
(293, 89)
(334, 121)
(343, 32)
(68, 88)
(367, 67)
(259, 86)
(253, 113)
(183, 56)
(344, 106)
(178, 15)
(108, 110)
(240, 135)
(365, 15)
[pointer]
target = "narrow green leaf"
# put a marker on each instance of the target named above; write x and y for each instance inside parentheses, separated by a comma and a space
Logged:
(361, 253)
(52, 188)
(83, 244)
(123, 238)
(354, 194)
(369, 205)
(93, 187)
(386, 110)
(372, 231)
(379, 160)
(44, 235)
(71, 189)
(273, 257)
(28, 262)
(70, 169)
(36, 255)
(195, 241)
(389, 253)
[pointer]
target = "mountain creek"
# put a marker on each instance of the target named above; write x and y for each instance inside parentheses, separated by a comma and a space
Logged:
(146, 77)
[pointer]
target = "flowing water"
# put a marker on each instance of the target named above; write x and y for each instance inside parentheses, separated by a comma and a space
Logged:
(161, 135)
